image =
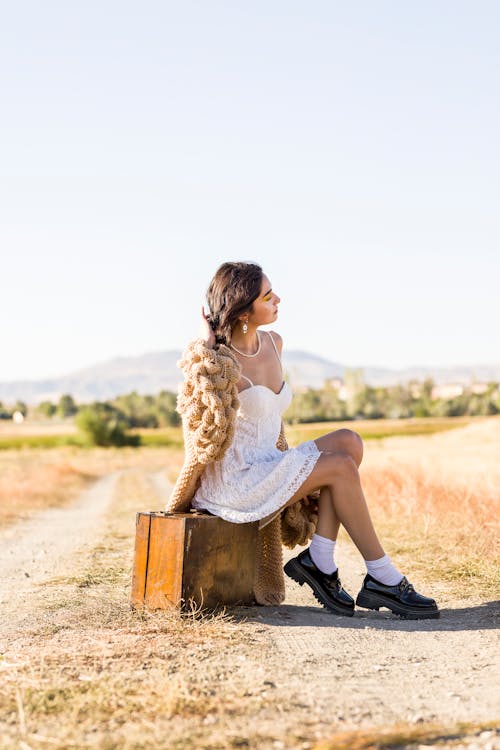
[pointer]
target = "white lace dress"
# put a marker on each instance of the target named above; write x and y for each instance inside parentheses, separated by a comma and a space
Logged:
(255, 479)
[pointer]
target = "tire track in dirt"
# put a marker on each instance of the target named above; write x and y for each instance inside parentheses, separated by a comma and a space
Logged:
(37, 549)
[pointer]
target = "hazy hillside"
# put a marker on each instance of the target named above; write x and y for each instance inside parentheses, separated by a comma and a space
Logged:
(156, 371)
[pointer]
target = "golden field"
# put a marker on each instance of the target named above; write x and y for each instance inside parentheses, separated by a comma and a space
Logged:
(34, 479)
(434, 497)
(86, 671)
(436, 500)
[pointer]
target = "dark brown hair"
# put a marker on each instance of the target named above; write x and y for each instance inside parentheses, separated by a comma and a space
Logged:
(232, 291)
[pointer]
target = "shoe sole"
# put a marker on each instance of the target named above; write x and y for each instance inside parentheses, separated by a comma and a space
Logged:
(370, 600)
(300, 576)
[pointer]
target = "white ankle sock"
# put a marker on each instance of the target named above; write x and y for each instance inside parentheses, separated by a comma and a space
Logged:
(322, 551)
(384, 571)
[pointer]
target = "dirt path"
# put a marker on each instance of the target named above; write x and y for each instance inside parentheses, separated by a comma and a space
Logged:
(321, 670)
(40, 548)
(379, 668)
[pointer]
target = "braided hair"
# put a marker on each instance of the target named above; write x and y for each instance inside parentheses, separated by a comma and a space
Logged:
(232, 291)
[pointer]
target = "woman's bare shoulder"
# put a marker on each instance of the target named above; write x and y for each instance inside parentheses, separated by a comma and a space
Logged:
(278, 340)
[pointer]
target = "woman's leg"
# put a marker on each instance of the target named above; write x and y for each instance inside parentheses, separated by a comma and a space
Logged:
(328, 522)
(384, 586)
(324, 540)
(338, 473)
(352, 511)
(342, 441)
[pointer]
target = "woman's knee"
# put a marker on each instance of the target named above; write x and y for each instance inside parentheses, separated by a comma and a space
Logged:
(342, 441)
(329, 467)
(345, 466)
(352, 444)
(337, 466)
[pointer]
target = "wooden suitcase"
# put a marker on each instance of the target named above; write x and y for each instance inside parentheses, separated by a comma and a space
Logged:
(192, 557)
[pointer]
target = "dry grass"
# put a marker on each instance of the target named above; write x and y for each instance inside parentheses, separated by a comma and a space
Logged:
(436, 501)
(8, 428)
(30, 483)
(89, 671)
(31, 480)
(376, 429)
(435, 498)
(412, 736)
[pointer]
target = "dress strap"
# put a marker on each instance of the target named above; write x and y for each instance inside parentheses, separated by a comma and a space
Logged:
(244, 376)
(275, 349)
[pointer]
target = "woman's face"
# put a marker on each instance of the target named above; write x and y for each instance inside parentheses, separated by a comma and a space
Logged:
(265, 307)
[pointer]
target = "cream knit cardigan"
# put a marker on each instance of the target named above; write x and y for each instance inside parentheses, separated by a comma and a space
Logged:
(207, 402)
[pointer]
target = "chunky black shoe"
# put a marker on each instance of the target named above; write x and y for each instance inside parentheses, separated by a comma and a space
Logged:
(327, 588)
(402, 599)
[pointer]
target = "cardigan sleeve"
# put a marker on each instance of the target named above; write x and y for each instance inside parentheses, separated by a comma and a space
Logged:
(298, 521)
(208, 399)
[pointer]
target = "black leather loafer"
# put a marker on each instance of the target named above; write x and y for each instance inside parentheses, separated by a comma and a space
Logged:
(327, 588)
(401, 599)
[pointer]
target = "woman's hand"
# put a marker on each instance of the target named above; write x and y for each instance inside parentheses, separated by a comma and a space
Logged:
(206, 332)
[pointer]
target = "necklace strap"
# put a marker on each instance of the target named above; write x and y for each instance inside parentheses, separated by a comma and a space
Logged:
(243, 354)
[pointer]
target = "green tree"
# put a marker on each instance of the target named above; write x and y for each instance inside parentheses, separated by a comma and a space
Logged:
(149, 411)
(5, 413)
(166, 407)
(101, 424)
(137, 410)
(422, 404)
(46, 409)
(331, 406)
(372, 402)
(400, 402)
(305, 407)
(355, 388)
(66, 406)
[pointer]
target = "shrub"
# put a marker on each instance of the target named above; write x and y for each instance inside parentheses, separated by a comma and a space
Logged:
(100, 424)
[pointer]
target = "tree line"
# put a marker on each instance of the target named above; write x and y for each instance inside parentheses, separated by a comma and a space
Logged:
(106, 422)
(109, 422)
(414, 399)
(391, 402)
(133, 409)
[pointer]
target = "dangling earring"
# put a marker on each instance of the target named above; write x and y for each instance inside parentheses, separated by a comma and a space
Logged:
(245, 327)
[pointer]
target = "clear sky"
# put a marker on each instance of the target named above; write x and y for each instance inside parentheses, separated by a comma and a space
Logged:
(351, 149)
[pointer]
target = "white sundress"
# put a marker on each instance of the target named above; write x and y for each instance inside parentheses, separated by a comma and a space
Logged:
(254, 479)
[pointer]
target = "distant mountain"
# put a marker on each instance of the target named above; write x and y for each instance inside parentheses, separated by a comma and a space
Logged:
(148, 373)
(156, 371)
(307, 369)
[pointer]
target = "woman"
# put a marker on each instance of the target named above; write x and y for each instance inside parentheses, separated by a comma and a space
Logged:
(251, 479)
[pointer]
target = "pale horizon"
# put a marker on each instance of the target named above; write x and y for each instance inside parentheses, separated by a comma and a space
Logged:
(349, 365)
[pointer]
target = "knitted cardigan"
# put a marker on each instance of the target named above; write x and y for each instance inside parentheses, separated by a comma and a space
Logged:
(207, 402)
